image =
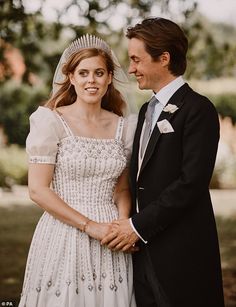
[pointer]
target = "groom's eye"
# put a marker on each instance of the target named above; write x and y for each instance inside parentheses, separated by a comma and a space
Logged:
(135, 60)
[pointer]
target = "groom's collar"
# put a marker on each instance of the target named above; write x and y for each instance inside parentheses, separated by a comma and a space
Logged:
(168, 91)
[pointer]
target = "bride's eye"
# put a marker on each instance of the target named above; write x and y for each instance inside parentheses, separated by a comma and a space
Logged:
(83, 73)
(100, 73)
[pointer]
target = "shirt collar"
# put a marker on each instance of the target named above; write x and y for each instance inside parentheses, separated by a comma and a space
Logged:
(167, 91)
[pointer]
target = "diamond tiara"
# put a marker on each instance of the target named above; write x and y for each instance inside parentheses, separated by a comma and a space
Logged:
(85, 42)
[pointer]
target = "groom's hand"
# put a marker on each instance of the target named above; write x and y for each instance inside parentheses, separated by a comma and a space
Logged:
(122, 237)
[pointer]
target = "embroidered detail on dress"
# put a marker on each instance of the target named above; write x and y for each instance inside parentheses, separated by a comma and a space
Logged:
(94, 276)
(112, 286)
(119, 129)
(42, 159)
(68, 282)
(38, 289)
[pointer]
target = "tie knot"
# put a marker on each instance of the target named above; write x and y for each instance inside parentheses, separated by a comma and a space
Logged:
(153, 101)
(150, 109)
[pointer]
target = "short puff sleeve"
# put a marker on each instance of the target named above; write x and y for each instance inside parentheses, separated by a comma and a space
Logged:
(128, 134)
(44, 136)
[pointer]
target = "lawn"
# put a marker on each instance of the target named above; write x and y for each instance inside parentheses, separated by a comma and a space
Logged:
(16, 227)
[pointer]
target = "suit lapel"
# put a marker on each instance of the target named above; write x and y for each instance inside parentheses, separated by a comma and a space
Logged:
(176, 99)
(136, 144)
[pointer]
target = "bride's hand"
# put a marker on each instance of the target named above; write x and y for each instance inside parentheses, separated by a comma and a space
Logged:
(97, 230)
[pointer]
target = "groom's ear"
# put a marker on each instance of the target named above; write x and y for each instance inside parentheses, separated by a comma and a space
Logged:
(165, 59)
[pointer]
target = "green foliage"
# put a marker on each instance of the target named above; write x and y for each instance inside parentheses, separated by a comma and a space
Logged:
(225, 105)
(18, 101)
(22, 31)
(41, 44)
(13, 166)
(211, 52)
(30, 33)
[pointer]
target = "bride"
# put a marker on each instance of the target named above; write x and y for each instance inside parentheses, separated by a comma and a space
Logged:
(79, 147)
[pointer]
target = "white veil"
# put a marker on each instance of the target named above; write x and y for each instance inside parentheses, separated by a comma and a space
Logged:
(120, 80)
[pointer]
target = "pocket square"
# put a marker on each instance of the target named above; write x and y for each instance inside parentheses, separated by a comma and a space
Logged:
(164, 126)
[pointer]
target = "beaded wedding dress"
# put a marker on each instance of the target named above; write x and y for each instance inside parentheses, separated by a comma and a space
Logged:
(66, 267)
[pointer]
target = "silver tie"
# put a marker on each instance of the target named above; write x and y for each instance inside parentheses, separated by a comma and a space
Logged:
(148, 127)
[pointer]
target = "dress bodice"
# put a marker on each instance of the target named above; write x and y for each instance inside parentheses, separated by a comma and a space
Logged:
(86, 171)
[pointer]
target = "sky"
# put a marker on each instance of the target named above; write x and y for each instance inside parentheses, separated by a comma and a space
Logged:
(215, 10)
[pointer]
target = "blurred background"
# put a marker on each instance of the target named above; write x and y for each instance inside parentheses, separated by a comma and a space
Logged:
(33, 34)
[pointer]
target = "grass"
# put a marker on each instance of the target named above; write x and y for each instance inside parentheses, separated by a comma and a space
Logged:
(17, 224)
(227, 238)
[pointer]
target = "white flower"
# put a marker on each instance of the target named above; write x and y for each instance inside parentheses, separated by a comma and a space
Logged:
(170, 108)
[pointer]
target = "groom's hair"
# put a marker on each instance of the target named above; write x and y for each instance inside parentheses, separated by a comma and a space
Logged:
(162, 35)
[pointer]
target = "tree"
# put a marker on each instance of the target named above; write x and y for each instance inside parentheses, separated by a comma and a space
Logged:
(18, 101)
(41, 43)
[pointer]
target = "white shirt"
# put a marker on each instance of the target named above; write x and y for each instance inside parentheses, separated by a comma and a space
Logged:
(163, 96)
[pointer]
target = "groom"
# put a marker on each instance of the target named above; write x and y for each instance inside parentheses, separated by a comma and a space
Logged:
(175, 145)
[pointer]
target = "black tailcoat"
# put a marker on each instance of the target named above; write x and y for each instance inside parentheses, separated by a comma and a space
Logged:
(175, 211)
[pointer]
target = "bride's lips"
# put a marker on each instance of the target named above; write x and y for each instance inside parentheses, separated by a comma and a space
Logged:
(91, 90)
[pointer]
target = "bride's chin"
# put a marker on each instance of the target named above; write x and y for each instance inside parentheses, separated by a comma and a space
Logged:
(92, 101)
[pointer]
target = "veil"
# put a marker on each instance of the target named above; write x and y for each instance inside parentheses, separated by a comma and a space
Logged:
(120, 79)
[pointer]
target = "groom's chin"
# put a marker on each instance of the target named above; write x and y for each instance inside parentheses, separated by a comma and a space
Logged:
(140, 85)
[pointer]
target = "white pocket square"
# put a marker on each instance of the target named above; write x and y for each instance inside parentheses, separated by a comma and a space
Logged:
(164, 126)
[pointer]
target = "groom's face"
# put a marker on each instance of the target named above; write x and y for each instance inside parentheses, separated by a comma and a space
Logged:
(149, 74)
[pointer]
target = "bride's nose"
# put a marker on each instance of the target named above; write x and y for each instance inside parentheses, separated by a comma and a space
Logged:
(91, 78)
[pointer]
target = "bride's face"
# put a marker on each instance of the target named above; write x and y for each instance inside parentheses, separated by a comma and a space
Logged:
(91, 79)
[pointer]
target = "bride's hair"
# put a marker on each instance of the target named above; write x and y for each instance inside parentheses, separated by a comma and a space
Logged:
(66, 95)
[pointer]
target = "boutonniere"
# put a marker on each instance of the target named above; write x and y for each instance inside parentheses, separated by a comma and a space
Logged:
(164, 126)
(170, 108)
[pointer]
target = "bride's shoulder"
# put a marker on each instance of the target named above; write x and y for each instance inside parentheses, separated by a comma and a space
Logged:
(44, 119)
(42, 113)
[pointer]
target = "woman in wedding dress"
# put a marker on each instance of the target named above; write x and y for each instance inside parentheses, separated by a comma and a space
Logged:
(79, 147)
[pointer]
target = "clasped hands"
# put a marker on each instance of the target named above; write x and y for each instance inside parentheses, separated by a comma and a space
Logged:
(121, 237)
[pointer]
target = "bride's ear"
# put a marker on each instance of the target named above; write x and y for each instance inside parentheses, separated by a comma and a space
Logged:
(71, 77)
(110, 78)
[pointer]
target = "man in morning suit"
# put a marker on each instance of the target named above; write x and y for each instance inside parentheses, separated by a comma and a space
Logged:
(174, 151)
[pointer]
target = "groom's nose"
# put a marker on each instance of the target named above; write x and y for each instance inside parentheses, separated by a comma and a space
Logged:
(132, 68)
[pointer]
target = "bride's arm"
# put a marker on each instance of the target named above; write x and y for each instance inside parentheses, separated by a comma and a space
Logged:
(39, 180)
(122, 200)
(122, 196)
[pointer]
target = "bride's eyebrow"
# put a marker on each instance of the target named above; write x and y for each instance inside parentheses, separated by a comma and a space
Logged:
(86, 69)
